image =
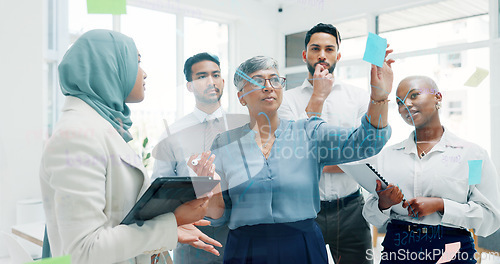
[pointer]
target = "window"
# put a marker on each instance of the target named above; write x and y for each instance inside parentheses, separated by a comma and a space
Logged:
(294, 45)
(353, 38)
(80, 21)
(451, 60)
(455, 108)
(350, 68)
(212, 37)
(157, 47)
(294, 80)
(435, 40)
(55, 47)
(438, 24)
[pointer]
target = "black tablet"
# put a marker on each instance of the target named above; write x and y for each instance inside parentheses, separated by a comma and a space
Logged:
(165, 194)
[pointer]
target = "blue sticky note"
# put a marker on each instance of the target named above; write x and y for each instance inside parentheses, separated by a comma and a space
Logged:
(475, 169)
(375, 49)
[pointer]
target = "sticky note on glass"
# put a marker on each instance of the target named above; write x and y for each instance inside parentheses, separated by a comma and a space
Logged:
(475, 171)
(449, 252)
(477, 77)
(58, 260)
(375, 49)
(114, 7)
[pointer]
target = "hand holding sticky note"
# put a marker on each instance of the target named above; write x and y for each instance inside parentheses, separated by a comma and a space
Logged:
(375, 49)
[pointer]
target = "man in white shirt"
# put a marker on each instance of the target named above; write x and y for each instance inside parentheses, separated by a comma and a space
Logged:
(340, 218)
(193, 134)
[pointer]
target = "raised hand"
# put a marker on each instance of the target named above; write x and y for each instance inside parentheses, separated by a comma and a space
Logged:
(423, 206)
(389, 196)
(382, 78)
(322, 86)
(189, 234)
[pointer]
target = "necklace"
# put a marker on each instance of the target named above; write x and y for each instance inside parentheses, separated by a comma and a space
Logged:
(424, 152)
(433, 143)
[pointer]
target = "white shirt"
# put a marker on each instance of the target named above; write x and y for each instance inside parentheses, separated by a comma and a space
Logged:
(188, 136)
(344, 107)
(193, 118)
(443, 172)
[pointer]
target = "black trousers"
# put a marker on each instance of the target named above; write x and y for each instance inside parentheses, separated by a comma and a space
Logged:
(298, 242)
(346, 231)
(411, 243)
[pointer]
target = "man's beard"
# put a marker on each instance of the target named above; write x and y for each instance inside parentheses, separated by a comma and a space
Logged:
(209, 100)
(312, 68)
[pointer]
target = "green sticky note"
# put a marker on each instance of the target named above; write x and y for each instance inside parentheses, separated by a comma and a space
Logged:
(114, 7)
(58, 260)
(475, 171)
(375, 49)
(477, 77)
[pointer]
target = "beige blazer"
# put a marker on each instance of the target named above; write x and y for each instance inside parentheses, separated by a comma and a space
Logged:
(90, 179)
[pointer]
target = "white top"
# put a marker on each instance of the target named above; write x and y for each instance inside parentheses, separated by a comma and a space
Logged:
(194, 118)
(344, 107)
(443, 172)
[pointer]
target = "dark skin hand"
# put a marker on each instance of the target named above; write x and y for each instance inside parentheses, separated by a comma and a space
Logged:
(423, 206)
(389, 196)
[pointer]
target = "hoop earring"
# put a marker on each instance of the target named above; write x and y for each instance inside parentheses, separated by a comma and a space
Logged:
(243, 103)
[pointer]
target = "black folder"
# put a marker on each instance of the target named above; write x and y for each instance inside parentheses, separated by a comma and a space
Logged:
(165, 194)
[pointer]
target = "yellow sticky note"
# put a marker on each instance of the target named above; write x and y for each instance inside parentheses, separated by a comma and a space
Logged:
(114, 7)
(477, 77)
(58, 260)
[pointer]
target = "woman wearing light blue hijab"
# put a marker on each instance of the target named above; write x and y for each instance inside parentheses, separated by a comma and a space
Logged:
(90, 177)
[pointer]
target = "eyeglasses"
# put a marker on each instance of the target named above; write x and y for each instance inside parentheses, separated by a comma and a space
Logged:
(260, 83)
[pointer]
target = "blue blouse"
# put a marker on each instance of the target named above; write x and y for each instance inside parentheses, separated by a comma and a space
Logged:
(284, 187)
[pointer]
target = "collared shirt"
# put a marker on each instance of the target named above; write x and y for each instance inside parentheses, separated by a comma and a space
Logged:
(443, 172)
(193, 118)
(344, 107)
(284, 187)
(190, 135)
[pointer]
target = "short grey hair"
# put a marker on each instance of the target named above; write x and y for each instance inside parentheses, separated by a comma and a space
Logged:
(250, 66)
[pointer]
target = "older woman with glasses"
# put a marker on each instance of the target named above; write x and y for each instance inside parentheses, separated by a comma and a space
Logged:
(270, 168)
